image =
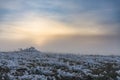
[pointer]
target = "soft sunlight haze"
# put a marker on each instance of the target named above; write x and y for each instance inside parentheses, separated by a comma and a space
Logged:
(65, 26)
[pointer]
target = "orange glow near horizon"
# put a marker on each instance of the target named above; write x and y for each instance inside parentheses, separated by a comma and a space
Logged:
(40, 30)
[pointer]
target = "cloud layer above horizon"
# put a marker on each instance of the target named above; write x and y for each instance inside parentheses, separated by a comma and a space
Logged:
(100, 15)
(39, 21)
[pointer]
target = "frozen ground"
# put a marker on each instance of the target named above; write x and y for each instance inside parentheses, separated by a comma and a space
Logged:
(30, 64)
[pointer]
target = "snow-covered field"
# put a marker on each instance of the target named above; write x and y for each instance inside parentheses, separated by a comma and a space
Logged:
(30, 64)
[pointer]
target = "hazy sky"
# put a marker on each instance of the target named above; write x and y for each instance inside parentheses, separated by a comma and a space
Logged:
(57, 25)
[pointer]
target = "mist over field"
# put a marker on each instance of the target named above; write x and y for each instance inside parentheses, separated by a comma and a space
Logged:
(84, 27)
(59, 39)
(66, 44)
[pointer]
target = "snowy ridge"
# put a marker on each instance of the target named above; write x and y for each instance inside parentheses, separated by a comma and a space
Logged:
(34, 65)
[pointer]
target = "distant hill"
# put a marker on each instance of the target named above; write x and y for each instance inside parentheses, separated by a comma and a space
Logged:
(31, 49)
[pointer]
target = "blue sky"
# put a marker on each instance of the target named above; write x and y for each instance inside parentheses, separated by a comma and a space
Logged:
(104, 12)
(19, 19)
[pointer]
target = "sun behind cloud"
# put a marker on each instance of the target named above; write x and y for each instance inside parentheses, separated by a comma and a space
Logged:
(37, 29)
(40, 29)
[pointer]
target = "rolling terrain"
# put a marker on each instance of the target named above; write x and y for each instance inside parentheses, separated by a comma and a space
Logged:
(30, 64)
